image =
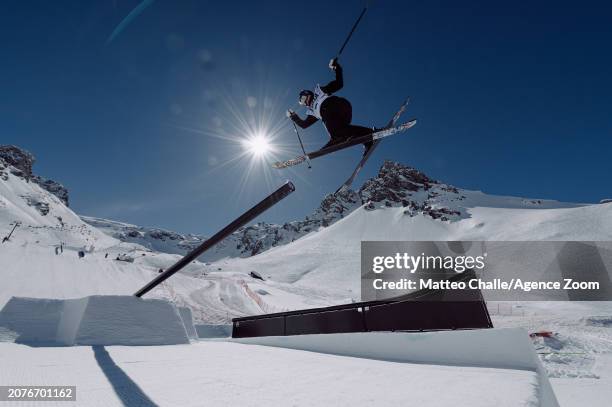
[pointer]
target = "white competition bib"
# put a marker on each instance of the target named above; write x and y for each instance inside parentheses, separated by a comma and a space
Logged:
(317, 101)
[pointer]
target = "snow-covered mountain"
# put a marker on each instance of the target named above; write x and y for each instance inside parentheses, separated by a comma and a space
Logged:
(396, 185)
(152, 238)
(39, 205)
(312, 262)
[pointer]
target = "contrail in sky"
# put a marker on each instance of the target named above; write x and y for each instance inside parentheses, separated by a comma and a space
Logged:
(128, 19)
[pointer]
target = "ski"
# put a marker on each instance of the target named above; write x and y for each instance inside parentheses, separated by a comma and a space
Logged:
(347, 184)
(399, 112)
(378, 135)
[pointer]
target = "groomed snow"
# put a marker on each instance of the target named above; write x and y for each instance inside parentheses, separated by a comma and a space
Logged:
(230, 374)
(491, 348)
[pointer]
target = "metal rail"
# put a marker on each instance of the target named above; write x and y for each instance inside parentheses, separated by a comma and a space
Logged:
(246, 217)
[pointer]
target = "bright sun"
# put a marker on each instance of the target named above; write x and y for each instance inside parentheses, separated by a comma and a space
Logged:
(258, 144)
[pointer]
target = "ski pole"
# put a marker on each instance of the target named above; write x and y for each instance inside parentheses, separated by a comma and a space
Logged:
(352, 30)
(301, 145)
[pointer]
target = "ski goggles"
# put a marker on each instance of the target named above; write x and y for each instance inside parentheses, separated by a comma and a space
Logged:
(305, 97)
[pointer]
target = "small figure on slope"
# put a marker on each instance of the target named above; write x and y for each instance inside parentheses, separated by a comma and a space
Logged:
(335, 112)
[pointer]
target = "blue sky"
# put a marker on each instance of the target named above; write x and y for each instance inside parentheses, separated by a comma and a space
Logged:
(511, 99)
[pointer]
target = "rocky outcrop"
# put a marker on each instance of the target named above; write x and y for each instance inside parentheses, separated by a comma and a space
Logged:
(400, 185)
(39, 204)
(55, 188)
(19, 162)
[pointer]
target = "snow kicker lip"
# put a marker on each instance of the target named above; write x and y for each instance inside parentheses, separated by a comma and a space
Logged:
(95, 320)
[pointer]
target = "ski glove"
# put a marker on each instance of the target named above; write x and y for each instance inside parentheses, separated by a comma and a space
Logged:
(291, 114)
(333, 64)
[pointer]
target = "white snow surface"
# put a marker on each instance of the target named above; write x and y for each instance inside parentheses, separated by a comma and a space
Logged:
(220, 373)
(491, 348)
(321, 268)
(95, 320)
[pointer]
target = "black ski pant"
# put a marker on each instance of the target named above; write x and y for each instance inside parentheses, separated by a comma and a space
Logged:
(337, 113)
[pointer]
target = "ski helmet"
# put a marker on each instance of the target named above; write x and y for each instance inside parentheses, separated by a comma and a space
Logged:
(305, 97)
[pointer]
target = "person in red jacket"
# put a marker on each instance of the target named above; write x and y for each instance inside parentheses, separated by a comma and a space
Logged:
(335, 112)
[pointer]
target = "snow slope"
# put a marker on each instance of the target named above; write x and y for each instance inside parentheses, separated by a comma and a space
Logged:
(315, 260)
(42, 215)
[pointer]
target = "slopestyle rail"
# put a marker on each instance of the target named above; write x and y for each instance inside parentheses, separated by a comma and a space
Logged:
(243, 219)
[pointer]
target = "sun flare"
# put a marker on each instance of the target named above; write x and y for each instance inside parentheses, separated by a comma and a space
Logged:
(256, 136)
(258, 144)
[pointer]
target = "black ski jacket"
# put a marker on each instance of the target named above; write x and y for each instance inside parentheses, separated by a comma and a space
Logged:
(331, 88)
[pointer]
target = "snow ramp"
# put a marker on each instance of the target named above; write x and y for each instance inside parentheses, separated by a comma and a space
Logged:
(489, 348)
(95, 320)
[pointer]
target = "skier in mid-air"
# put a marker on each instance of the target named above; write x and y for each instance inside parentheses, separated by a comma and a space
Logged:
(335, 112)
